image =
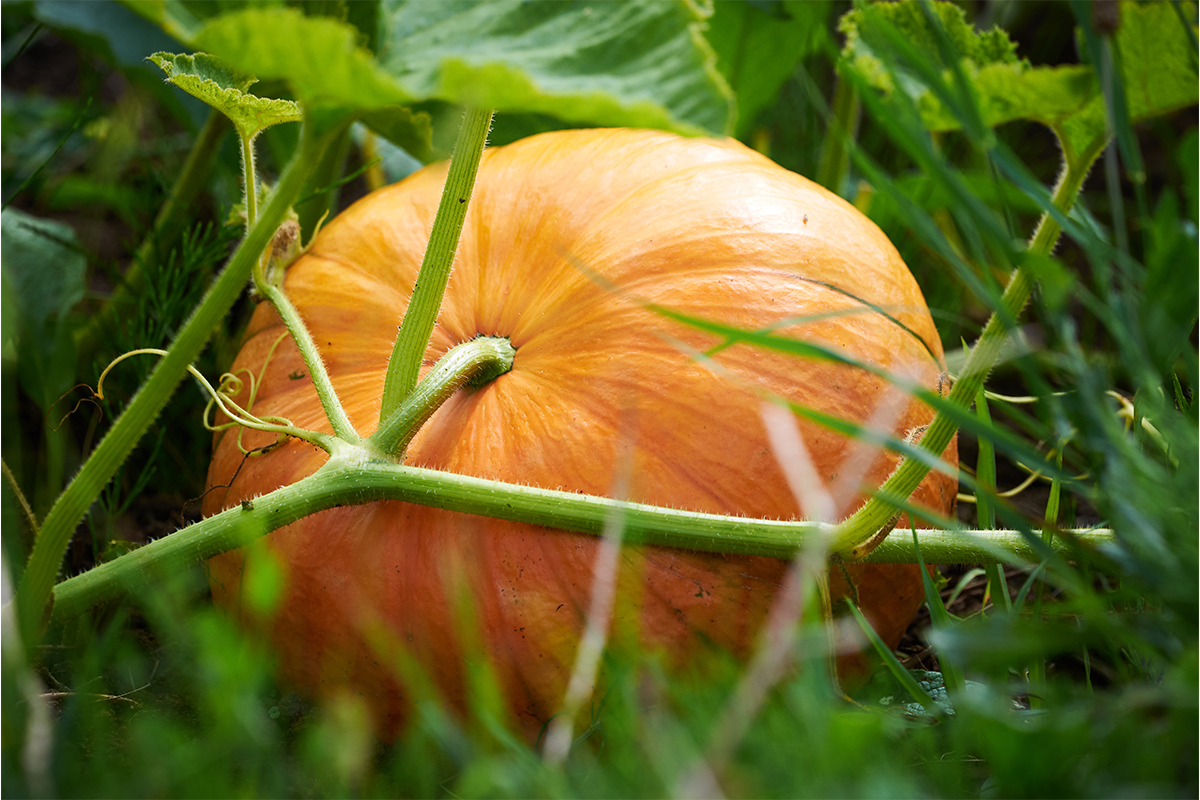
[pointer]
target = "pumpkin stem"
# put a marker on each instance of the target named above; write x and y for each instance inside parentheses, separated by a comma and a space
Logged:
(471, 363)
(409, 351)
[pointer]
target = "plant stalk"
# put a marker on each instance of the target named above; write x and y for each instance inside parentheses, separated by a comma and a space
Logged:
(343, 428)
(350, 478)
(70, 507)
(249, 179)
(409, 351)
(835, 158)
(852, 537)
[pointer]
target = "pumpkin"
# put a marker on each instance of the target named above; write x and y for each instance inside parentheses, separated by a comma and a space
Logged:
(709, 228)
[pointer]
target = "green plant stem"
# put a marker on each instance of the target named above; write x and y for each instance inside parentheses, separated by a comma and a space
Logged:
(476, 361)
(985, 480)
(353, 476)
(835, 158)
(853, 536)
(343, 428)
(409, 351)
(195, 173)
(249, 178)
(26, 509)
(59, 525)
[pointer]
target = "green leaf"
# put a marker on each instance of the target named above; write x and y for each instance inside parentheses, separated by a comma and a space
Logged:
(1159, 74)
(208, 79)
(179, 18)
(757, 51)
(1158, 70)
(42, 260)
(43, 276)
(108, 26)
(643, 63)
(409, 130)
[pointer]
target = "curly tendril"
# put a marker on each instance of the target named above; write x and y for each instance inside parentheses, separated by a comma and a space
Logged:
(238, 415)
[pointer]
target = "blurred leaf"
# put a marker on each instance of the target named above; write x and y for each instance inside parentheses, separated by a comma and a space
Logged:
(44, 278)
(1158, 63)
(1153, 43)
(757, 50)
(182, 19)
(396, 163)
(642, 63)
(126, 36)
(43, 262)
(1188, 161)
(412, 131)
(207, 79)
(123, 37)
(1169, 294)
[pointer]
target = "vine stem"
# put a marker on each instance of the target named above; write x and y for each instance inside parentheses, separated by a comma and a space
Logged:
(322, 383)
(354, 476)
(64, 516)
(853, 536)
(409, 351)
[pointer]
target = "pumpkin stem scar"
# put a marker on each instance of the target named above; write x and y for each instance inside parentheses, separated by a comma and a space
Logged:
(472, 363)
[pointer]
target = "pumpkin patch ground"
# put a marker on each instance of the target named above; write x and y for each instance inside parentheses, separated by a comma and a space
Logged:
(523, 398)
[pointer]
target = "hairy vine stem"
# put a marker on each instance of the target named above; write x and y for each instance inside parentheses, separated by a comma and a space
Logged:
(45, 561)
(853, 537)
(353, 476)
(409, 351)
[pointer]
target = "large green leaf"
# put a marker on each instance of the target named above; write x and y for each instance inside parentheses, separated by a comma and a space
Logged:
(1158, 67)
(642, 63)
(1159, 75)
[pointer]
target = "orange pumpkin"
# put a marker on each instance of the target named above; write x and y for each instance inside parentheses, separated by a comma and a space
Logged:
(709, 228)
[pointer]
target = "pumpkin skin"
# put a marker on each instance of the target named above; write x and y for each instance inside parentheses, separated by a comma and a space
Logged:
(709, 228)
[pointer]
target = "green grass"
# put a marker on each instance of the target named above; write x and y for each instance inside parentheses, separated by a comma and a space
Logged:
(1085, 687)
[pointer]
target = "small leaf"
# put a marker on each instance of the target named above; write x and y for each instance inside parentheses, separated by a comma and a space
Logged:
(208, 79)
